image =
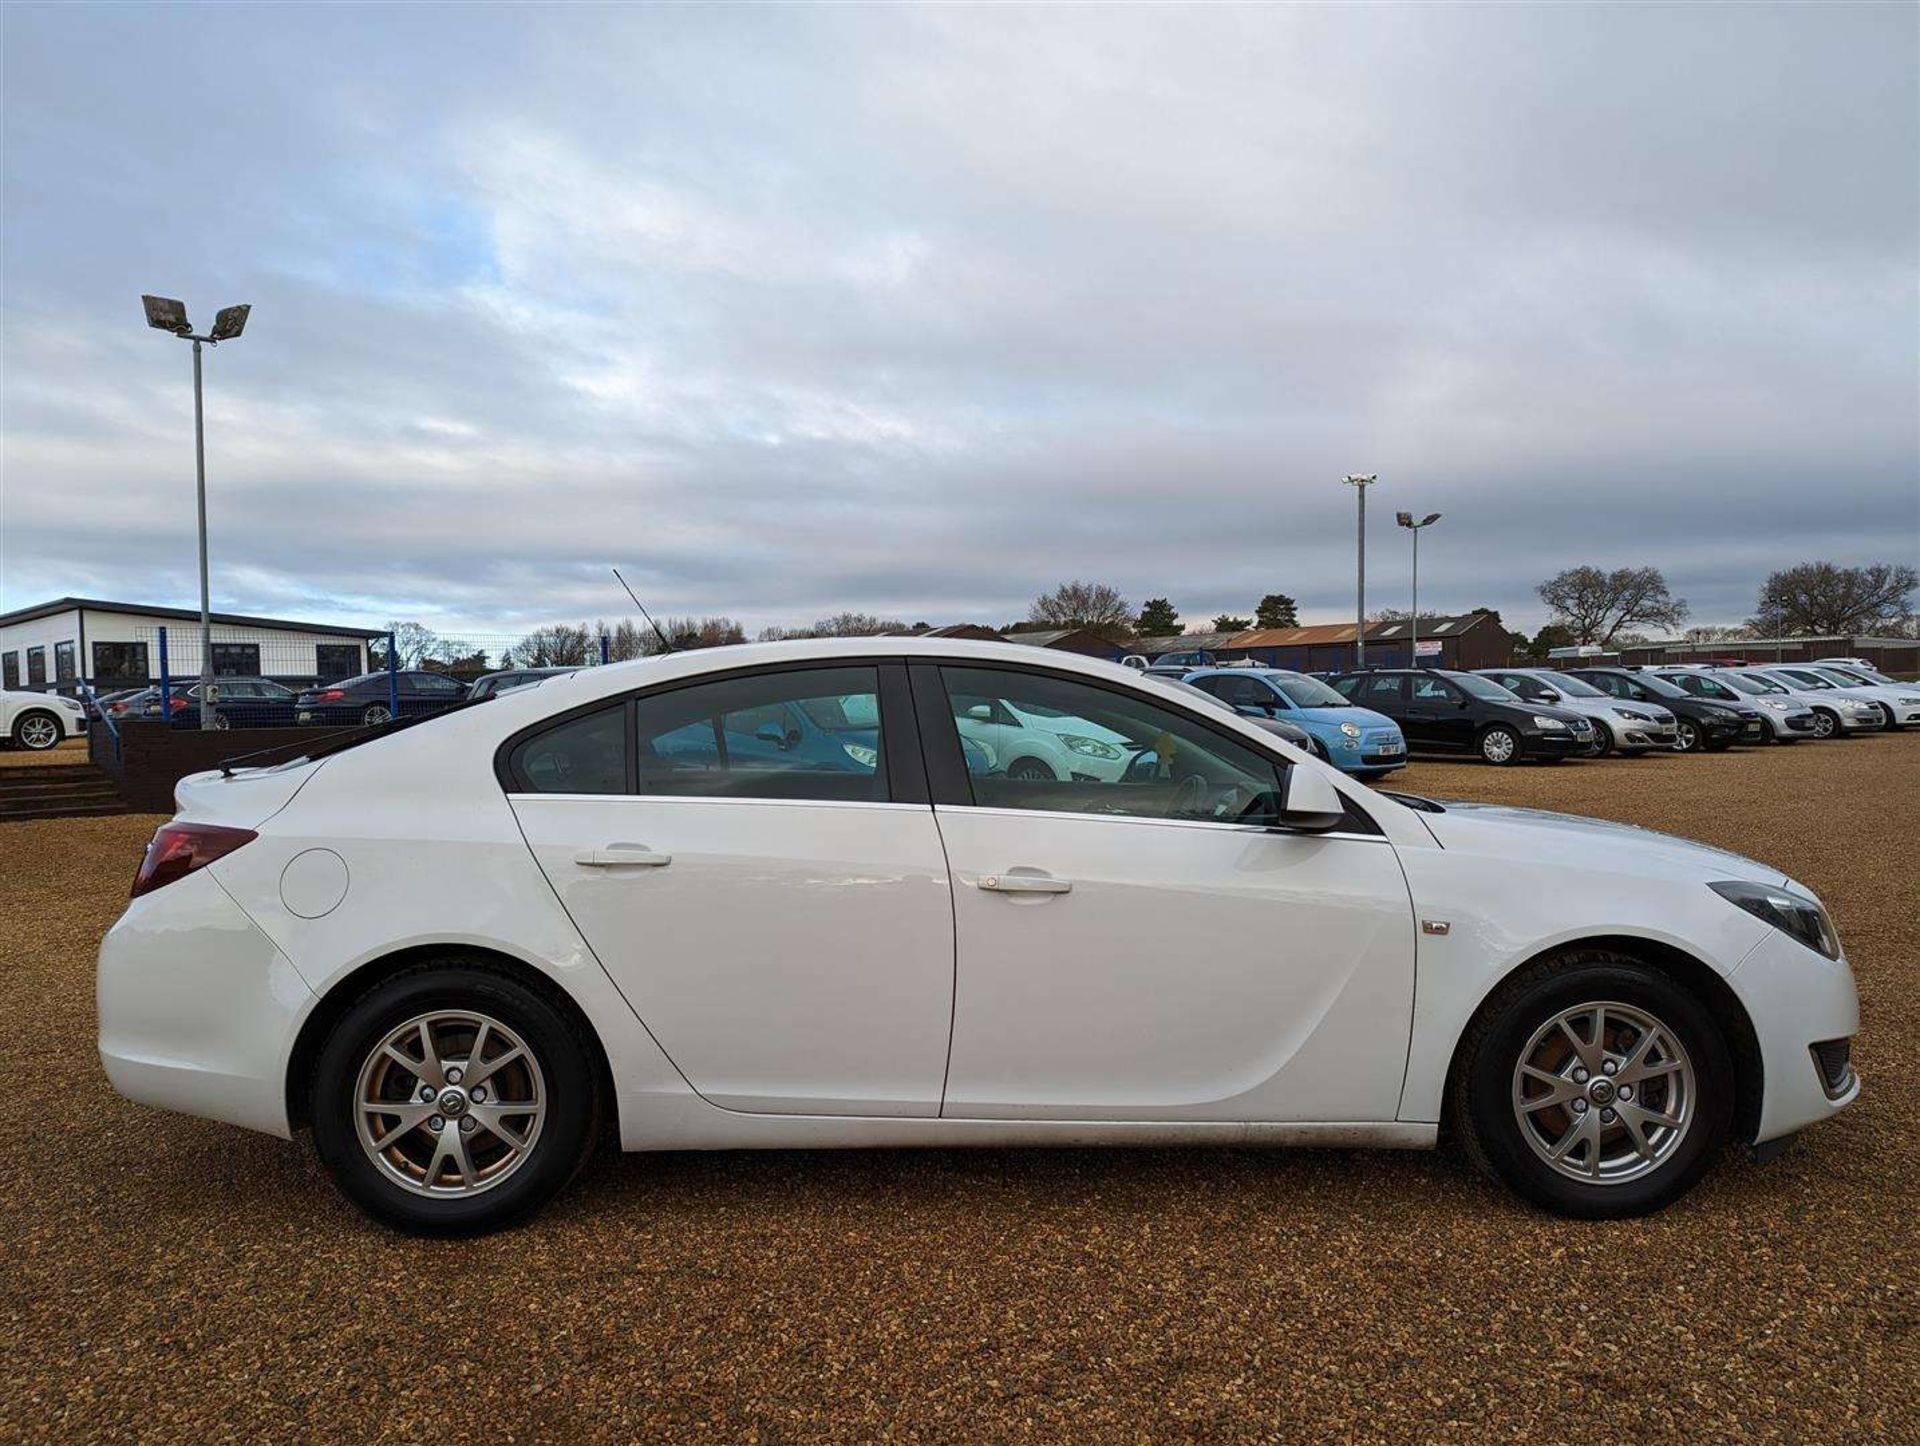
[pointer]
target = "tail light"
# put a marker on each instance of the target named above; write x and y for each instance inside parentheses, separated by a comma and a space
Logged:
(332, 695)
(177, 703)
(180, 848)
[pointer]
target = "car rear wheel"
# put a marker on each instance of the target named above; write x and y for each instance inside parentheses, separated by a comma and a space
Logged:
(453, 1100)
(1686, 736)
(374, 714)
(1500, 745)
(1594, 1086)
(36, 730)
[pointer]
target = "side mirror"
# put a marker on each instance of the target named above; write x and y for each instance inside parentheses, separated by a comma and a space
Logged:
(1547, 695)
(980, 713)
(1310, 804)
(773, 733)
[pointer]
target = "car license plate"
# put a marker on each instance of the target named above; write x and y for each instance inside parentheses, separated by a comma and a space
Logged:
(304, 717)
(1385, 748)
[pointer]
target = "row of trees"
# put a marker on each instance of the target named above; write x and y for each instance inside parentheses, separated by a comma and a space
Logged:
(1102, 609)
(1594, 606)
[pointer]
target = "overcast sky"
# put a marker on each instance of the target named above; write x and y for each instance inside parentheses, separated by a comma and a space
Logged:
(920, 311)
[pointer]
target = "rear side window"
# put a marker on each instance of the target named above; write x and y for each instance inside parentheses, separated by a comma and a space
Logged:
(1381, 689)
(803, 733)
(582, 755)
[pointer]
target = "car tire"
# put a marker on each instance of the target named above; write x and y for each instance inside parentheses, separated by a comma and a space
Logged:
(1686, 736)
(374, 714)
(221, 720)
(1032, 770)
(1512, 1106)
(37, 730)
(412, 1174)
(1825, 724)
(1603, 740)
(1500, 745)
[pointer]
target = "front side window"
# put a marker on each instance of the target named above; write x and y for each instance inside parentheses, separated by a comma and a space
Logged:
(1086, 749)
(582, 755)
(1240, 692)
(1379, 690)
(1431, 690)
(803, 733)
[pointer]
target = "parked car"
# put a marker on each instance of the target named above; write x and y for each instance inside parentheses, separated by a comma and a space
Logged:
(1278, 727)
(367, 699)
(237, 703)
(1700, 724)
(1352, 738)
(1836, 713)
(1632, 728)
(1899, 702)
(488, 684)
(456, 948)
(1788, 720)
(1447, 712)
(1028, 743)
(37, 721)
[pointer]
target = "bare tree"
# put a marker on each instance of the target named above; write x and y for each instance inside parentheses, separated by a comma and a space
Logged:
(690, 633)
(1091, 605)
(1598, 605)
(1715, 634)
(558, 645)
(856, 625)
(1819, 598)
(414, 643)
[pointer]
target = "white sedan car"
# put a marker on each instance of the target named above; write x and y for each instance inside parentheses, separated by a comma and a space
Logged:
(40, 720)
(453, 950)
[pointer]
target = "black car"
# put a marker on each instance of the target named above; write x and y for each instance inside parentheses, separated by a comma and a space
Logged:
(368, 698)
(237, 703)
(1700, 724)
(488, 684)
(1447, 712)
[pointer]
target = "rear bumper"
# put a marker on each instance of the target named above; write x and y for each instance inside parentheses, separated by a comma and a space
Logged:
(1796, 999)
(198, 1008)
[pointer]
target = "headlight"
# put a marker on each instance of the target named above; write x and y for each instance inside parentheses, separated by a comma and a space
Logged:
(1775, 704)
(1091, 747)
(862, 755)
(1787, 911)
(1715, 711)
(1910, 702)
(72, 705)
(1352, 730)
(1540, 720)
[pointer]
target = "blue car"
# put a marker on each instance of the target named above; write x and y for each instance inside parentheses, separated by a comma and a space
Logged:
(1353, 739)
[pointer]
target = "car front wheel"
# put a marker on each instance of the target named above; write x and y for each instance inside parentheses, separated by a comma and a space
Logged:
(1500, 745)
(1594, 1086)
(1030, 769)
(36, 730)
(1825, 724)
(453, 1100)
(1686, 737)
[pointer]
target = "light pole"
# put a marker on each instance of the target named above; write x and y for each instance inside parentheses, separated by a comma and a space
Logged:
(167, 315)
(1405, 519)
(1360, 485)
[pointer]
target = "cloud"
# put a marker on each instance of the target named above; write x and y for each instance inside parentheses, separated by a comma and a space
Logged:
(920, 311)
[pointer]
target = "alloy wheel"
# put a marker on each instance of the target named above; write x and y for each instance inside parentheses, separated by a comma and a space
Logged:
(1686, 737)
(1604, 1093)
(1498, 746)
(450, 1104)
(1825, 725)
(375, 715)
(39, 731)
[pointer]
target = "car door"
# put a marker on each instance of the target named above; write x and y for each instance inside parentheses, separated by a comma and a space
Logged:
(781, 919)
(1440, 712)
(1148, 948)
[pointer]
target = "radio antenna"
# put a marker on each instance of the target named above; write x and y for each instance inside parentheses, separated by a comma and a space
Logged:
(665, 646)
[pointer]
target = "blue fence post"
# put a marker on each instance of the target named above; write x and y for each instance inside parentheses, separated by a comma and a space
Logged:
(606, 650)
(166, 682)
(393, 677)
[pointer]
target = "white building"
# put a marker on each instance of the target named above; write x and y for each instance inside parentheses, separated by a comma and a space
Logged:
(111, 645)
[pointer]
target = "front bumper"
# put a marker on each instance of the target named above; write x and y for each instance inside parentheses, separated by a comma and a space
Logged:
(1796, 999)
(198, 1008)
(1862, 722)
(1558, 745)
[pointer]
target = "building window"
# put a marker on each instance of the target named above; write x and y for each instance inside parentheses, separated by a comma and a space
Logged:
(236, 660)
(9, 670)
(36, 666)
(116, 665)
(334, 661)
(63, 671)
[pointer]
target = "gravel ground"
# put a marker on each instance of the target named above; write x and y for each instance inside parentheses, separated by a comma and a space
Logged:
(169, 1278)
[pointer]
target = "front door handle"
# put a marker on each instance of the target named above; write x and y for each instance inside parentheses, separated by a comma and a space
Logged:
(616, 856)
(1025, 884)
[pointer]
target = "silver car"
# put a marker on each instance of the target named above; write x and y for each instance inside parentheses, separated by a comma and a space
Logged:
(1788, 719)
(1835, 712)
(1633, 728)
(1899, 702)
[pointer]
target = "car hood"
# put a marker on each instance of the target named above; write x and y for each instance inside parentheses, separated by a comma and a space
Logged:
(1365, 717)
(1531, 834)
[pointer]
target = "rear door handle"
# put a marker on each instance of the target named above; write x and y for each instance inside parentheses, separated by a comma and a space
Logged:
(616, 856)
(1025, 884)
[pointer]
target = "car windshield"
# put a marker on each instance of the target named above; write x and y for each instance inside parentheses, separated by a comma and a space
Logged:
(1572, 687)
(1484, 689)
(1305, 692)
(1803, 678)
(1838, 678)
(1747, 683)
(1659, 687)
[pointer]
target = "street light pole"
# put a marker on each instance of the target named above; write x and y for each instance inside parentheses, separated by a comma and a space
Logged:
(165, 314)
(1405, 519)
(1360, 485)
